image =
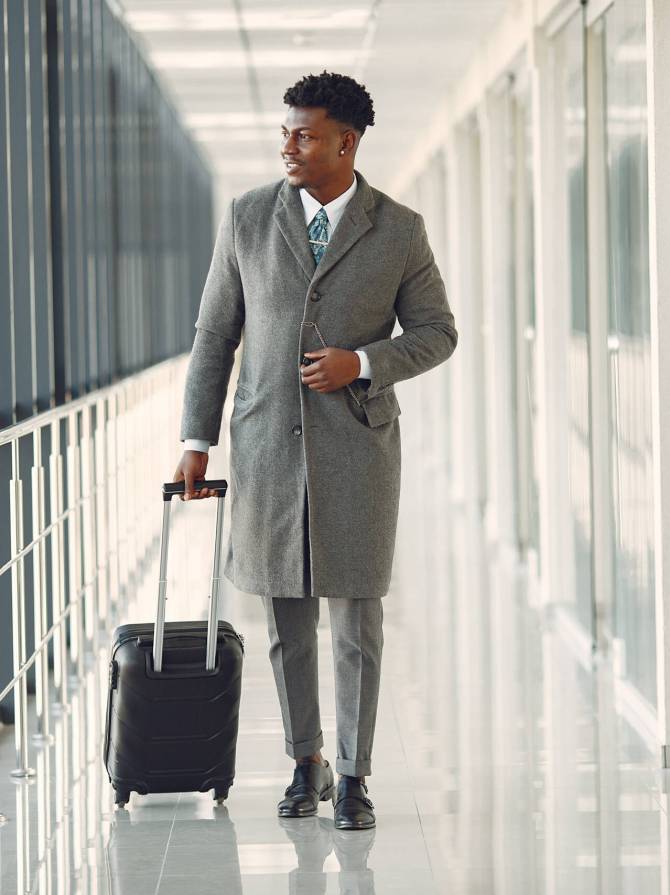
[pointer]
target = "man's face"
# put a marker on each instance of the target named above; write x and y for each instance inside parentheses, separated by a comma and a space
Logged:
(310, 146)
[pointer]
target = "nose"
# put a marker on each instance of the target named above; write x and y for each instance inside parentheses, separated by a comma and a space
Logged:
(288, 145)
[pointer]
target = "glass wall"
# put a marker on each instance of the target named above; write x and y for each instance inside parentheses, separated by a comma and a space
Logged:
(590, 363)
(87, 143)
(625, 114)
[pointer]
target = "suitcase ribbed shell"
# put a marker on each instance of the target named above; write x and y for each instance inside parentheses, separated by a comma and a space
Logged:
(175, 731)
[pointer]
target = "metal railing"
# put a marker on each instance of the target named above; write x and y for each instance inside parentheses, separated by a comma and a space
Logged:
(88, 492)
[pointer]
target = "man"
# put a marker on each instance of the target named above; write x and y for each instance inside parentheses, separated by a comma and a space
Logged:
(315, 268)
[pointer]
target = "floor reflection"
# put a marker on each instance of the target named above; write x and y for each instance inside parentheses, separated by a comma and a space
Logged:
(314, 838)
(179, 858)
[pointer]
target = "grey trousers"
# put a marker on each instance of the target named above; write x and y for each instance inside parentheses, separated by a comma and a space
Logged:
(356, 629)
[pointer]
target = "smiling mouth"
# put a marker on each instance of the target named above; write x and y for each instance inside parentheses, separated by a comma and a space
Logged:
(290, 166)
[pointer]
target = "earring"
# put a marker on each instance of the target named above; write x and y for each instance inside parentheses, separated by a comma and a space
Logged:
(341, 151)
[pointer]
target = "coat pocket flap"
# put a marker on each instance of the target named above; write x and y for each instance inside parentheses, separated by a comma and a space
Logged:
(382, 408)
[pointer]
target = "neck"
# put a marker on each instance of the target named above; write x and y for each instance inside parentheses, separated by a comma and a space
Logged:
(326, 192)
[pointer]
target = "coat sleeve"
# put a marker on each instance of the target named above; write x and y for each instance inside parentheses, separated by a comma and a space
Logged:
(429, 336)
(218, 334)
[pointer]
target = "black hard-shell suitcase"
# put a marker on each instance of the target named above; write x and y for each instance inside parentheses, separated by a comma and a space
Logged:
(173, 701)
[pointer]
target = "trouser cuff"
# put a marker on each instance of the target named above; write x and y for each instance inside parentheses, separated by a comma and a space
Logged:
(353, 768)
(304, 747)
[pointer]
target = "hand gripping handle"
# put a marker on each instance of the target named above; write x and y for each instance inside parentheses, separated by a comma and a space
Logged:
(169, 490)
(172, 488)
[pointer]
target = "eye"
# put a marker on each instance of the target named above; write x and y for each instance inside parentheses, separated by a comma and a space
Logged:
(305, 136)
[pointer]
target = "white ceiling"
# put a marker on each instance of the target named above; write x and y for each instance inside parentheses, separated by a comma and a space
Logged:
(227, 63)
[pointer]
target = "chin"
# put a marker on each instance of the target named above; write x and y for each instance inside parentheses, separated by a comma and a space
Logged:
(296, 178)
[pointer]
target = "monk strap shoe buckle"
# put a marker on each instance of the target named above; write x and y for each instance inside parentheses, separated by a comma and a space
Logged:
(362, 799)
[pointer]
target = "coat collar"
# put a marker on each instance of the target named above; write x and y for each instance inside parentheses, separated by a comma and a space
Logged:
(356, 220)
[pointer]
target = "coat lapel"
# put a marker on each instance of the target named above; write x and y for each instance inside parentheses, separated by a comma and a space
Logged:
(355, 221)
(290, 218)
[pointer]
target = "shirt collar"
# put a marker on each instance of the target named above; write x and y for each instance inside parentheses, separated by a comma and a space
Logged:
(334, 208)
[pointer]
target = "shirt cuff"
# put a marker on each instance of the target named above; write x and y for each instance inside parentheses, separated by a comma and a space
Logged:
(366, 370)
(196, 444)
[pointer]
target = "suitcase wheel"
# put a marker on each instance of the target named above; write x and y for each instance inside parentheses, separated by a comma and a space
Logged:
(121, 797)
(220, 795)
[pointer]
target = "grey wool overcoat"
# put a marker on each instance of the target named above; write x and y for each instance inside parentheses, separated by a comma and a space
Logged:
(314, 477)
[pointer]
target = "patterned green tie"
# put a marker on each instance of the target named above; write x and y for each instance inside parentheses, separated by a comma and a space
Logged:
(318, 234)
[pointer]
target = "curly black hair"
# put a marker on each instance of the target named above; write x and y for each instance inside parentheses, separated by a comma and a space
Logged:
(344, 99)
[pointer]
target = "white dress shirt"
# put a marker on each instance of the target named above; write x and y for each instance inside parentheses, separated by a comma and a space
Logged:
(334, 210)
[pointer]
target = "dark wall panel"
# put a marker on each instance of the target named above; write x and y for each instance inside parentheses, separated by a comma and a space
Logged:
(108, 227)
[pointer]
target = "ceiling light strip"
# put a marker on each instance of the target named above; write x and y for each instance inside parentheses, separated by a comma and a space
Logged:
(368, 39)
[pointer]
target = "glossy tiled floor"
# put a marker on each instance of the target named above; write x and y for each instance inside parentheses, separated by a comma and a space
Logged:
(501, 766)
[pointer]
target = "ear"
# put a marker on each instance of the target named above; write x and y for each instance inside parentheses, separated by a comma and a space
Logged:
(349, 140)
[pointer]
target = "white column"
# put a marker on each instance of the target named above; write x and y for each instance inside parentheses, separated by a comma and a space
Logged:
(658, 83)
(497, 304)
(464, 213)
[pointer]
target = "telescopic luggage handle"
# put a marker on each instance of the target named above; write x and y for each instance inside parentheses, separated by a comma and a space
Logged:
(170, 489)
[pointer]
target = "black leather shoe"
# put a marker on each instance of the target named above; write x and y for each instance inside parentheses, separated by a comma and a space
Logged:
(311, 784)
(353, 809)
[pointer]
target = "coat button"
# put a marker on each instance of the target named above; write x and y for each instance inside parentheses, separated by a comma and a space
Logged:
(315, 296)
(297, 430)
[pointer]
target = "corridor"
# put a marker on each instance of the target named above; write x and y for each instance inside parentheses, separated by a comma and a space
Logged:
(156, 196)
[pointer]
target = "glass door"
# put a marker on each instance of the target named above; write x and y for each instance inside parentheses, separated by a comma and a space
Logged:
(572, 378)
(628, 341)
